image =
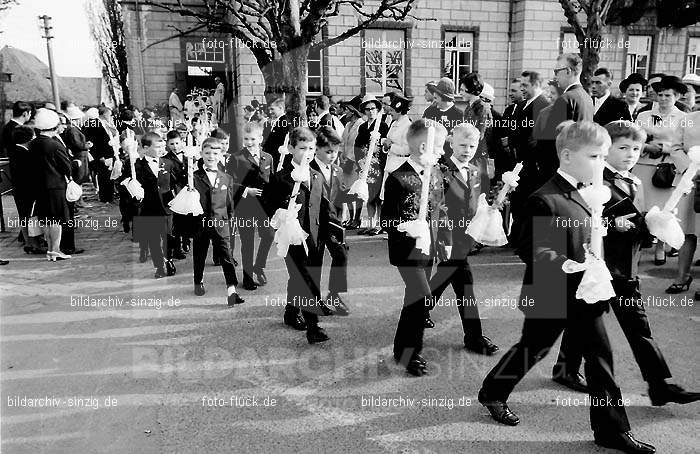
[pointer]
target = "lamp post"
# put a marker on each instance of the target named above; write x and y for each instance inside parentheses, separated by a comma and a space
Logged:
(52, 69)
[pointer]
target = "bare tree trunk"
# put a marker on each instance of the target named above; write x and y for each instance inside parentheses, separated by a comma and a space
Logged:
(286, 77)
(590, 54)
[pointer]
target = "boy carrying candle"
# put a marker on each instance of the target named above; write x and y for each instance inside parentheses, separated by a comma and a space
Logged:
(403, 193)
(553, 244)
(304, 261)
(627, 234)
(216, 192)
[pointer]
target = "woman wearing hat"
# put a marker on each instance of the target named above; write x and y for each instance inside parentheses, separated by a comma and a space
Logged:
(632, 89)
(692, 83)
(347, 159)
(395, 143)
(53, 168)
(661, 124)
(372, 109)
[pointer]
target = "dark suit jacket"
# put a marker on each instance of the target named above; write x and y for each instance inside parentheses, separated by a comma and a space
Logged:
(75, 141)
(216, 200)
(313, 212)
(623, 249)
(50, 162)
(556, 227)
(363, 137)
(461, 198)
(158, 189)
(402, 192)
(331, 191)
(22, 171)
(6, 141)
(249, 174)
(613, 109)
(99, 137)
(526, 116)
(575, 104)
(178, 170)
(274, 137)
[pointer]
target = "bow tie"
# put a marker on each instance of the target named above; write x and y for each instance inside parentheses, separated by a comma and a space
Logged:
(210, 170)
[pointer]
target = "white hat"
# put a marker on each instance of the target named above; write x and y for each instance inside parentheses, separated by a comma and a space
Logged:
(74, 113)
(488, 92)
(92, 113)
(45, 119)
(691, 79)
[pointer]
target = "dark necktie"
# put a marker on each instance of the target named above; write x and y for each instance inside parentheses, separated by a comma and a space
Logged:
(210, 170)
(629, 184)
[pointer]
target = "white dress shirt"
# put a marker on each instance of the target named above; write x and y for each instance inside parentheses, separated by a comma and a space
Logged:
(211, 176)
(152, 164)
(325, 170)
(463, 168)
(597, 102)
(573, 181)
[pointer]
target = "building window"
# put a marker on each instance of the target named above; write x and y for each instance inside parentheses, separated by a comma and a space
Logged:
(569, 44)
(459, 55)
(384, 61)
(638, 55)
(196, 51)
(693, 59)
(314, 75)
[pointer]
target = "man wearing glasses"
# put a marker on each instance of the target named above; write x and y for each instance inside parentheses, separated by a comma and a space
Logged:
(575, 104)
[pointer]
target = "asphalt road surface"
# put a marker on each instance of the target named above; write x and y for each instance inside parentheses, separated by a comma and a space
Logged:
(156, 369)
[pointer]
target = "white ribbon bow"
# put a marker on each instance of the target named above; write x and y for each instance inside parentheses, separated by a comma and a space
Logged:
(288, 230)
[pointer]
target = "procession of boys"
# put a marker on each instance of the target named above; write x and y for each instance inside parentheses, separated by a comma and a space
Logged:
(562, 191)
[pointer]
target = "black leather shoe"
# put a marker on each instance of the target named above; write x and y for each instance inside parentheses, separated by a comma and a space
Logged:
(170, 268)
(234, 299)
(199, 289)
(262, 279)
(186, 247)
(336, 302)
(416, 364)
(296, 321)
(143, 256)
(4, 262)
(481, 345)
(671, 393)
(429, 323)
(160, 272)
(249, 283)
(179, 254)
(72, 251)
(499, 410)
(573, 382)
(316, 336)
(624, 441)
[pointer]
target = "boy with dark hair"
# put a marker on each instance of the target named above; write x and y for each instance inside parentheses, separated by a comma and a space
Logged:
(217, 192)
(327, 148)
(155, 218)
(303, 263)
(177, 165)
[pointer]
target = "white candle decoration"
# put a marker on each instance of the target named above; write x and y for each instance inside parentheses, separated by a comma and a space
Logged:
(360, 188)
(286, 221)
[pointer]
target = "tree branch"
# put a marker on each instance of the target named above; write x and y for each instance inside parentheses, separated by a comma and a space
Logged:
(180, 34)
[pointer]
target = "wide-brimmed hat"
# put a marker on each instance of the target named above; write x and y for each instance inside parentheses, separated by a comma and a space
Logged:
(367, 99)
(446, 88)
(691, 79)
(488, 92)
(46, 119)
(634, 78)
(670, 83)
(353, 105)
(74, 113)
(399, 103)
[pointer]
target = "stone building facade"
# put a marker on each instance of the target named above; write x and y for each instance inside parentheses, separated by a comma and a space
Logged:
(457, 36)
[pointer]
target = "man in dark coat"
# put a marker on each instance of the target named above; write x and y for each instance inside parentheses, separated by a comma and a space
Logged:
(606, 108)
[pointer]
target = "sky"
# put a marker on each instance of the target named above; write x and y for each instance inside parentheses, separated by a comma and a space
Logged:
(73, 47)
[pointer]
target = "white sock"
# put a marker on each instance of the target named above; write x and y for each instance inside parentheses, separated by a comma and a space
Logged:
(231, 290)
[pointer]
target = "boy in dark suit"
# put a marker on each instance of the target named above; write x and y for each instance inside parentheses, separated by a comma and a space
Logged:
(176, 164)
(327, 147)
(627, 234)
(155, 217)
(275, 130)
(216, 194)
(303, 266)
(252, 168)
(461, 192)
(551, 242)
(402, 195)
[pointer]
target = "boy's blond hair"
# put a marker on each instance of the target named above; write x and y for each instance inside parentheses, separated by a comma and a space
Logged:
(578, 135)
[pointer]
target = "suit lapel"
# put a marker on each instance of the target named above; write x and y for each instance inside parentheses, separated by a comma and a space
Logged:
(571, 193)
(250, 159)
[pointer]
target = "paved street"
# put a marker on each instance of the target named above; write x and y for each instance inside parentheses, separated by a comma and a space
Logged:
(169, 372)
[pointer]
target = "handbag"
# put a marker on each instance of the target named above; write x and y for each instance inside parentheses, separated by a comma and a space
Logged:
(73, 191)
(664, 174)
(33, 228)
